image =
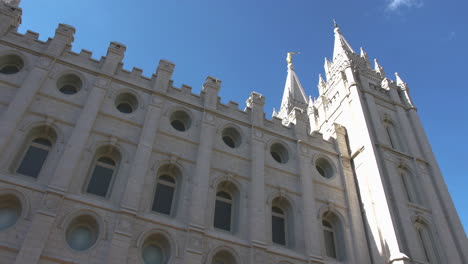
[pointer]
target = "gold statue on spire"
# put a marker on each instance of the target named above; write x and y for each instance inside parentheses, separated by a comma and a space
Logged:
(289, 56)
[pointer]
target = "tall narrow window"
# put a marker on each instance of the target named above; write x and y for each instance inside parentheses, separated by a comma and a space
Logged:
(427, 243)
(34, 157)
(164, 195)
(223, 211)
(408, 185)
(278, 226)
(329, 236)
(392, 135)
(101, 176)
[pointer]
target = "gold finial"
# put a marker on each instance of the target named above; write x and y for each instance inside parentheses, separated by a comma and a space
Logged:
(289, 57)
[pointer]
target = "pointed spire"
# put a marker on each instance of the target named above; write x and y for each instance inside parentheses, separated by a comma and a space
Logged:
(363, 53)
(364, 56)
(399, 81)
(321, 84)
(379, 69)
(293, 95)
(341, 45)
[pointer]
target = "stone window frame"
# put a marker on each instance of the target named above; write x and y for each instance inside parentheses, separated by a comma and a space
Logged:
(224, 249)
(422, 224)
(284, 202)
(392, 133)
(319, 156)
(67, 220)
(233, 189)
(23, 203)
(79, 75)
(109, 151)
(176, 173)
(35, 131)
(283, 145)
(161, 238)
(338, 223)
(25, 62)
(408, 181)
(241, 137)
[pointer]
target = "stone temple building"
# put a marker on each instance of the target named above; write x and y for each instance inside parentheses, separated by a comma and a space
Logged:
(102, 165)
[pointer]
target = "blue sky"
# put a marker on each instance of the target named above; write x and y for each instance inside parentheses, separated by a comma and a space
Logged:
(244, 43)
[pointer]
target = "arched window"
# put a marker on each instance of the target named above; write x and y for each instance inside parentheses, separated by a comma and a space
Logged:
(333, 239)
(409, 187)
(278, 225)
(223, 257)
(39, 144)
(427, 242)
(103, 171)
(164, 195)
(329, 239)
(156, 250)
(282, 229)
(226, 207)
(34, 157)
(223, 211)
(392, 134)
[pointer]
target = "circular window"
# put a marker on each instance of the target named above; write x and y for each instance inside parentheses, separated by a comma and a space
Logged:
(69, 84)
(180, 121)
(10, 64)
(10, 211)
(324, 167)
(279, 153)
(231, 137)
(82, 233)
(152, 254)
(126, 103)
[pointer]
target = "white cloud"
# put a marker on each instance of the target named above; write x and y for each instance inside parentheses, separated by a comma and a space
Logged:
(396, 4)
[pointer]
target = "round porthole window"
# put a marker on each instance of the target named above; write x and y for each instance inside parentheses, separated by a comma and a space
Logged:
(82, 233)
(180, 121)
(10, 64)
(279, 153)
(69, 84)
(152, 254)
(10, 211)
(324, 168)
(231, 137)
(126, 103)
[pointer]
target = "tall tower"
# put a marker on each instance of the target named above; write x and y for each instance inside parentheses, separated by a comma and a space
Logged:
(409, 215)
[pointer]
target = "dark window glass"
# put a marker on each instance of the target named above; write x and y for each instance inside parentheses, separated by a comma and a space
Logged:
(68, 89)
(34, 158)
(229, 141)
(278, 230)
(222, 219)
(178, 125)
(329, 243)
(125, 108)
(100, 180)
(320, 170)
(277, 156)
(163, 198)
(9, 69)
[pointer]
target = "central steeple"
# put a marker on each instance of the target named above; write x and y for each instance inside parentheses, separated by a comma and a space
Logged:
(293, 95)
(341, 45)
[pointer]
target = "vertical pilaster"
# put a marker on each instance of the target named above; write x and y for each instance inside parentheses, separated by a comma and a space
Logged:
(370, 178)
(355, 237)
(311, 229)
(445, 214)
(257, 197)
(63, 173)
(32, 83)
(130, 204)
(198, 221)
